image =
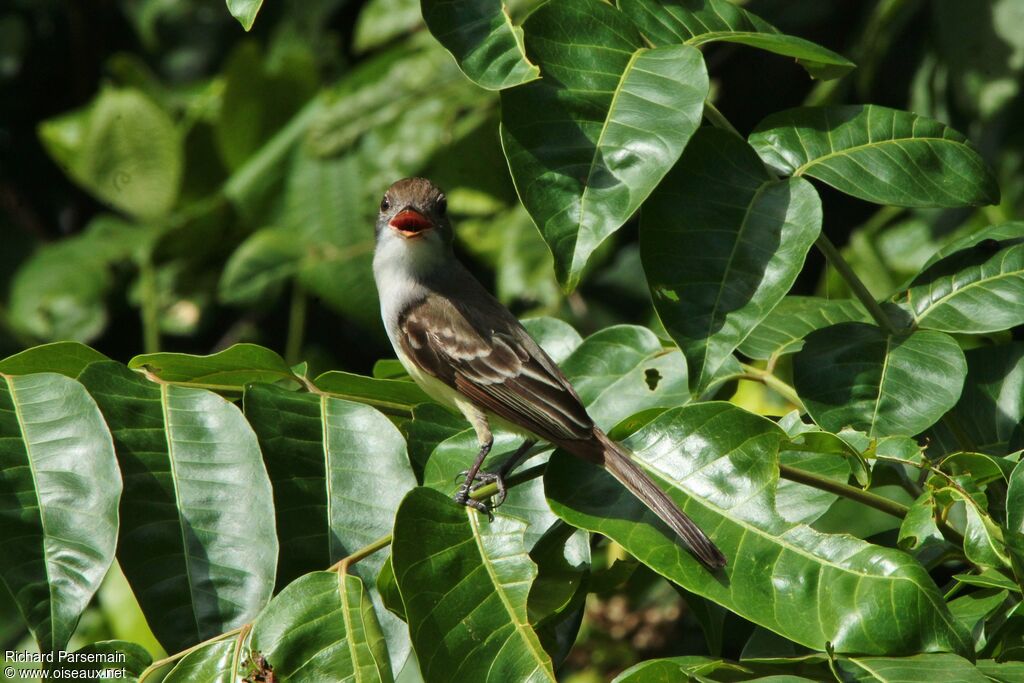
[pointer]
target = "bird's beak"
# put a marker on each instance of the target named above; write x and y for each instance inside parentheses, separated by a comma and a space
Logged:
(410, 223)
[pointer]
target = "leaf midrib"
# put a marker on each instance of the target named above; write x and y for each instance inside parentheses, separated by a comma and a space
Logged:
(846, 151)
(935, 303)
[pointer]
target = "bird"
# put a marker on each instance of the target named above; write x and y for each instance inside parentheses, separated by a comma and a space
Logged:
(467, 351)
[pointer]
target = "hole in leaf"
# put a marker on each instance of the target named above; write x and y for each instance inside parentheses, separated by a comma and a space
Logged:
(652, 377)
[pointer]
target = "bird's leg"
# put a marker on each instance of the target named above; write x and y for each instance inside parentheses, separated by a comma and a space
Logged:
(462, 495)
(484, 478)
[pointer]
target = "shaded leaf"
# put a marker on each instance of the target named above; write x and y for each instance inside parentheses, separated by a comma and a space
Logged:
(227, 370)
(59, 489)
(1000, 232)
(717, 462)
(390, 396)
(259, 267)
(481, 36)
(322, 627)
(430, 425)
(878, 383)
(722, 242)
(466, 592)
(198, 544)
(64, 358)
(119, 655)
(696, 22)
(783, 330)
(937, 668)
(589, 141)
(877, 154)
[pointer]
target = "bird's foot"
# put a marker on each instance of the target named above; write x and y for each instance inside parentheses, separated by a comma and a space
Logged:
(462, 498)
(483, 479)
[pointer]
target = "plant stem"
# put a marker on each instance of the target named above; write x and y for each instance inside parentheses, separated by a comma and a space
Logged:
(766, 378)
(837, 261)
(150, 305)
(161, 663)
(296, 324)
(718, 120)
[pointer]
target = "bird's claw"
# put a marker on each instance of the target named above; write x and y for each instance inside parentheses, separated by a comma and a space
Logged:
(462, 498)
(483, 479)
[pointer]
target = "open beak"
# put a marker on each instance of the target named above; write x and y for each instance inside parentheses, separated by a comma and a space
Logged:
(410, 223)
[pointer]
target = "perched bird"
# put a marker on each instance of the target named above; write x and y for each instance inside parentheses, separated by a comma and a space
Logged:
(467, 351)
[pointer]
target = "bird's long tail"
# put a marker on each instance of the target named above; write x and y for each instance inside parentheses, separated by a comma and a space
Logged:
(618, 461)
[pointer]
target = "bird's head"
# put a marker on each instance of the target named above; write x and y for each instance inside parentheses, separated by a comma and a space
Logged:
(414, 212)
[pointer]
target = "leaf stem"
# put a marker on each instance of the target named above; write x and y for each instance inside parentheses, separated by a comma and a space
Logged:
(150, 310)
(296, 323)
(718, 120)
(765, 377)
(836, 260)
(161, 663)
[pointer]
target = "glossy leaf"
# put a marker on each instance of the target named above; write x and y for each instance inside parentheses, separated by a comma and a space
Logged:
(676, 669)
(558, 338)
(481, 36)
(855, 375)
(198, 543)
(589, 141)
(227, 370)
(122, 148)
(717, 462)
(213, 663)
(937, 668)
(981, 239)
(135, 658)
(623, 370)
(783, 330)
(59, 488)
(1015, 520)
(722, 242)
(339, 471)
(466, 592)
(666, 22)
(877, 154)
(322, 627)
(975, 290)
(392, 397)
(245, 11)
(65, 358)
(430, 425)
(988, 416)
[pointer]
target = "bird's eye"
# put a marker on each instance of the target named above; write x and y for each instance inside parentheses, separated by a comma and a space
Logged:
(385, 204)
(442, 204)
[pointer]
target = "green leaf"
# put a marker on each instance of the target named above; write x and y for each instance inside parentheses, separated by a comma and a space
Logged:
(123, 149)
(198, 543)
(1013, 230)
(64, 358)
(1015, 520)
(623, 370)
(877, 154)
(819, 453)
(589, 141)
(114, 655)
(390, 396)
(988, 416)
(212, 663)
(936, 668)
(387, 586)
(988, 578)
(1001, 672)
(245, 11)
(783, 330)
(695, 22)
(676, 669)
(322, 627)
(339, 471)
(970, 291)
(722, 242)
(381, 21)
(481, 36)
(717, 461)
(974, 608)
(918, 529)
(259, 267)
(59, 488)
(855, 375)
(430, 425)
(466, 592)
(228, 370)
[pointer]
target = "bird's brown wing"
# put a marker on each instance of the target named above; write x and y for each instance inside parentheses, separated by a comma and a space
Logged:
(496, 365)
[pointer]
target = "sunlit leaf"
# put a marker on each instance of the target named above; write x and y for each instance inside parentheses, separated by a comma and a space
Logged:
(227, 370)
(783, 330)
(245, 11)
(65, 358)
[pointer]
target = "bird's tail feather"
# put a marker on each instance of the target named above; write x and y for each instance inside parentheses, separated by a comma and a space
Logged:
(618, 461)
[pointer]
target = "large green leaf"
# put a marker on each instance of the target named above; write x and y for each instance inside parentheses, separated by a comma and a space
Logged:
(123, 148)
(936, 668)
(198, 543)
(877, 154)
(718, 462)
(856, 375)
(666, 22)
(1015, 520)
(722, 242)
(784, 329)
(978, 289)
(988, 416)
(213, 663)
(59, 489)
(981, 239)
(465, 592)
(227, 370)
(322, 627)
(65, 358)
(482, 38)
(339, 471)
(623, 370)
(589, 141)
(390, 396)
